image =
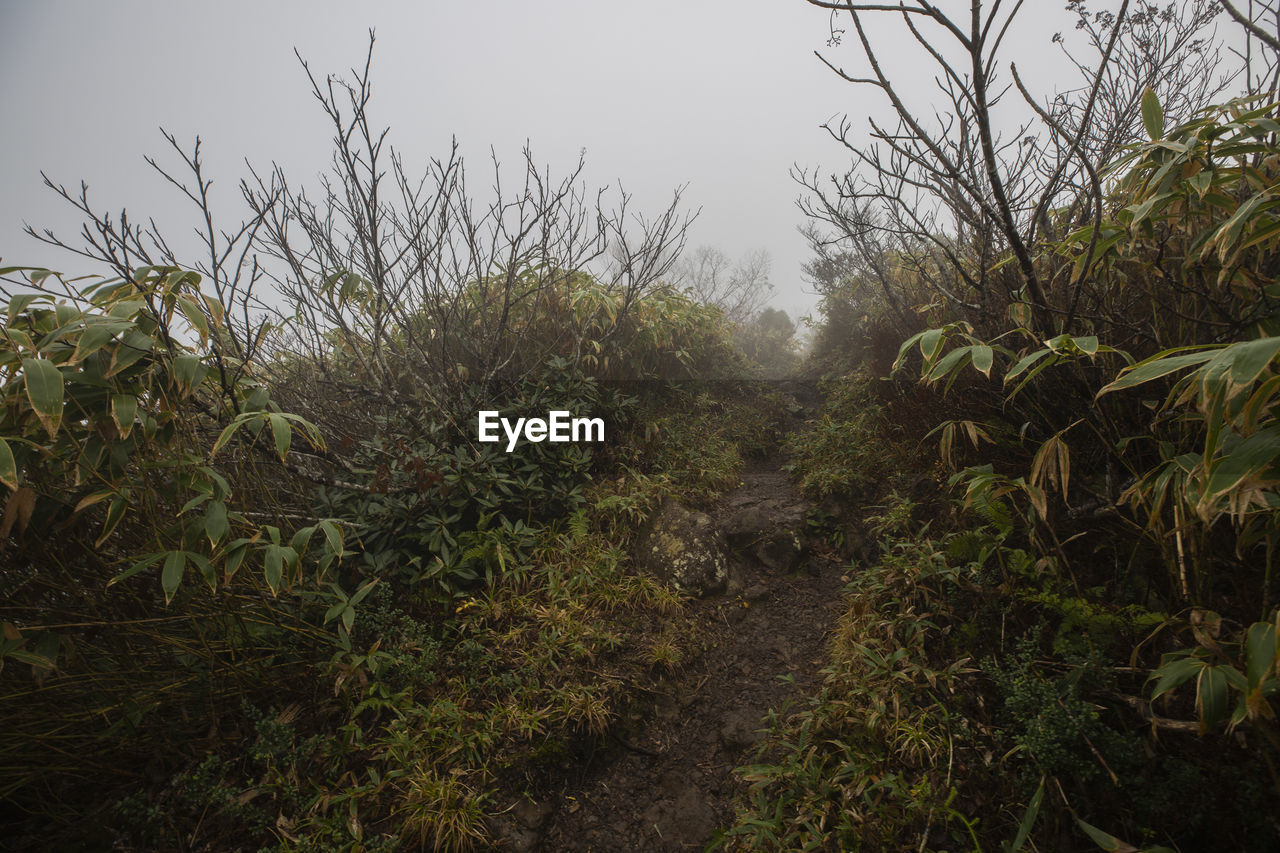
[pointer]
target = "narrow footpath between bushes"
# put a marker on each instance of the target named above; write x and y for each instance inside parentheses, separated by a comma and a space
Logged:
(668, 783)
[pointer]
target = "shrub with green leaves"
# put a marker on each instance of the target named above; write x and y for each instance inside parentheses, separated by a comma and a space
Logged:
(139, 532)
(1120, 473)
(443, 514)
(842, 454)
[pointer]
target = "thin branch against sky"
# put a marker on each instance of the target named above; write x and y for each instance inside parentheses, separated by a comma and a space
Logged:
(659, 95)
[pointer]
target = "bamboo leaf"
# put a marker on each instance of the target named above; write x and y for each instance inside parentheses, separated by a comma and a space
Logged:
(191, 310)
(1227, 234)
(95, 337)
(44, 391)
(115, 512)
(954, 360)
(334, 611)
(930, 344)
(1173, 673)
(1087, 344)
(298, 544)
(273, 567)
(1026, 362)
(145, 563)
(364, 590)
(281, 431)
(1106, 840)
(1152, 114)
(8, 466)
(216, 524)
(1260, 401)
(1260, 652)
(332, 536)
(1211, 696)
(207, 571)
(21, 302)
(1237, 366)
(234, 557)
(175, 563)
(902, 350)
(124, 408)
(1154, 368)
(131, 349)
(189, 370)
(1248, 458)
(1028, 819)
(983, 356)
(230, 430)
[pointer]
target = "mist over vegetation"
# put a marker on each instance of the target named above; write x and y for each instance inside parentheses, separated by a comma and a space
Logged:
(264, 587)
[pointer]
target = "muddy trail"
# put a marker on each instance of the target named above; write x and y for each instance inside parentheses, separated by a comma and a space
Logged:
(666, 782)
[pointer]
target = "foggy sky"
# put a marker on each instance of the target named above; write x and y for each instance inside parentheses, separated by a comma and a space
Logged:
(723, 97)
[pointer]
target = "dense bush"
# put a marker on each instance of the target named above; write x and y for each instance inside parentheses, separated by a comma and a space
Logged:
(149, 568)
(1100, 354)
(189, 566)
(227, 506)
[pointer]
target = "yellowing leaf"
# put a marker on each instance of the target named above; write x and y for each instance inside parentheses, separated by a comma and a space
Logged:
(17, 512)
(124, 407)
(8, 467)
(982, 358)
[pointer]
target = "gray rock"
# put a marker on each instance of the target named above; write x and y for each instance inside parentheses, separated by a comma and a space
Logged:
(740, 729)
(520, 828)
(736, 583)
(746, 527)
(532, 815)
(770, 531)
(684, 548)
(781, 552)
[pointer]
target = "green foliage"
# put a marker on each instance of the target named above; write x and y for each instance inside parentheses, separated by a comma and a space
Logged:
(444, 512)
(841, 453)
(143, 573)
(1201, 198)
(690, 450)
(1051, 718)
(101, 408)
(1201, 193)
(1246, 670)
(463, 602)
(217, 507)
(1119, 479)
(1223, 459)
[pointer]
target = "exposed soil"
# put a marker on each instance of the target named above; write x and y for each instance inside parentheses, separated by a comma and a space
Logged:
(668, 784)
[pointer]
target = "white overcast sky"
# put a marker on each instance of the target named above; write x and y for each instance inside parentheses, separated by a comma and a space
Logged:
(722, 96)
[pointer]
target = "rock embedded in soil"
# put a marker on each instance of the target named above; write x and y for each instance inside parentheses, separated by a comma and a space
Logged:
(740, 729)
(684, 548)
(521, 827)
(770, 530)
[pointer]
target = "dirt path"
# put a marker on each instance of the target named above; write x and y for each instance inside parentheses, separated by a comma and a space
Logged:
(670, 786)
